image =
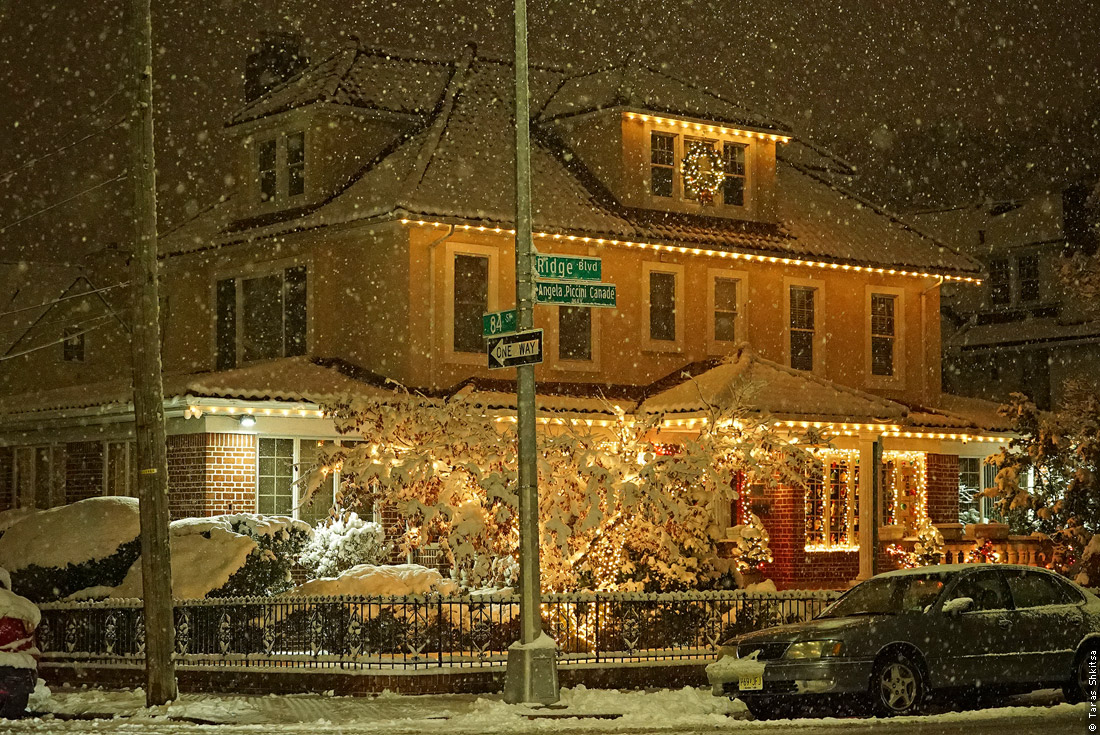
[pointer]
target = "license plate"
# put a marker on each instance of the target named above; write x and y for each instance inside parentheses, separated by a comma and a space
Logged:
(750, 683)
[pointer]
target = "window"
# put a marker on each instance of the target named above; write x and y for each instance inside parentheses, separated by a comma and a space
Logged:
(832, 517)
(295, 164)
(802, 327)
(275, 477)
(662, 306)
(267, 161)
(662, 158)
(317, 508)
(986, 588)
(72, 349)
(970, 489)
(272, 319)
(882, 334)
(691, 144)
(1027, 270)
(725, 309)
(733, 185)
(281, 166)
(574, 333)
(40, 476)
(471, 301)
(120, 469)
(1000, 287)
(1035, 589)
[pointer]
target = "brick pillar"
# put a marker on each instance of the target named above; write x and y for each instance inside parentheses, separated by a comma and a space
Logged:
(83, 470)
(230, 485)
(186, 475)
(7, 478)
(943, 488)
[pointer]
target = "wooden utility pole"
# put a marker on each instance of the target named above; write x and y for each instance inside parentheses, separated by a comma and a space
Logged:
(152, 458)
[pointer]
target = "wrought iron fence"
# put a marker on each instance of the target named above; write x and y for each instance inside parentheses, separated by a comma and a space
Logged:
(358, 633)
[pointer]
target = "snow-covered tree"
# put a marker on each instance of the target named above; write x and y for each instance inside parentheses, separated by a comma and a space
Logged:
(342, 543)
(928, 549)
(751, 540)
(615, 512)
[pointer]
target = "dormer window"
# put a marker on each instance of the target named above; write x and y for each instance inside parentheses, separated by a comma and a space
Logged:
(733, 184)
(667, 153)
(281, 166)
(662, 154)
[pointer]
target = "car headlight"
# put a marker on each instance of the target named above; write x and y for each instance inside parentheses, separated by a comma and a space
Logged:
(814, 649)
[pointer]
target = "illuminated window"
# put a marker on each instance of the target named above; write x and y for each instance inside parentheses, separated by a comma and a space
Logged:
(802, 327)
(662, 158)
(832, 510)
(883, 334)
(689, 145)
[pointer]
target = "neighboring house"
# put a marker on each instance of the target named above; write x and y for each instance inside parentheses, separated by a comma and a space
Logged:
(371, 231)
(1025, 330)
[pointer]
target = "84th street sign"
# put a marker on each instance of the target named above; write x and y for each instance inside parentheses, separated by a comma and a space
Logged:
(518, 348)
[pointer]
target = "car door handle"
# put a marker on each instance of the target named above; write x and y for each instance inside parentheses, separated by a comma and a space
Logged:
(1004, 623)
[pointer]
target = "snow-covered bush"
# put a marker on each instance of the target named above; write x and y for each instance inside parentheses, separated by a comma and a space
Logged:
(53, 553)
(751, 542)
(343, 543)
(928, 549)
(279, 542)
(370, 580)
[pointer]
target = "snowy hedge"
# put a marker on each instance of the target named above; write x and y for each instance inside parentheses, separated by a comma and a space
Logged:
(342, 544)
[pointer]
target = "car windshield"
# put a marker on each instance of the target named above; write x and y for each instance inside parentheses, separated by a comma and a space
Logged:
(889, 596)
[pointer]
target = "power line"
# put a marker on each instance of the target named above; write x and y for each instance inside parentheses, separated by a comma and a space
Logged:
(102, 319)
(77, 195)
(7, 175)
(64, 298)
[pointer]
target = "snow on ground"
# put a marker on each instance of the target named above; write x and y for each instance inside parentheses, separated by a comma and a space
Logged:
(70, 534)
(369, 579)
(580, 709)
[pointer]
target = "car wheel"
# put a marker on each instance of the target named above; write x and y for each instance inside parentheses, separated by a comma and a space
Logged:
(897, 686)
(14, 705)
(1076, 687)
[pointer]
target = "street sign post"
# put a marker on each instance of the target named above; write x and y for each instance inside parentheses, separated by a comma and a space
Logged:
(513, 350)
(498, 322)
(599, 295)
(567, 267)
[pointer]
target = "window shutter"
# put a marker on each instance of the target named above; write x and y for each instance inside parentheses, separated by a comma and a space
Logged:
(226, 326)
(294, 302)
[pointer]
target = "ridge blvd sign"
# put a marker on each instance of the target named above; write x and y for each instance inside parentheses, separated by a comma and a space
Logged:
(575, 294)
(517, 348)
(568, 267)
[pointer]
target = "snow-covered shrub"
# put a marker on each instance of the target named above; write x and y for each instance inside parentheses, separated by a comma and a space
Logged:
(370, 580)
(751, 542)
(928, 549)
(343, 543)
(266, 571)
(53, 553)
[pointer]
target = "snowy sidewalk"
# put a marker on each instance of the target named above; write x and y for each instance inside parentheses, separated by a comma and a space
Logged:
(681, 710)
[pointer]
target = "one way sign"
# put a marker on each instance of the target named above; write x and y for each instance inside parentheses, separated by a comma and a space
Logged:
(518, 348)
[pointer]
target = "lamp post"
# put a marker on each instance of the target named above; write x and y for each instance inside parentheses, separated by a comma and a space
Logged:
(532, 674)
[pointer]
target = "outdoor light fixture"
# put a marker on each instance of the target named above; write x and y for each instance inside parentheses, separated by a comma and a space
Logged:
(247, 421)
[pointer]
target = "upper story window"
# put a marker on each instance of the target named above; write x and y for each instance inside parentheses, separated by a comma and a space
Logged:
(1027, 271)
(281, 166)
(574, 333)
(667, 151)
(72, 348)
(471, 301)
(803, 326)
(883, 334)
(1000, 283)
(261, 317)
(725, 309)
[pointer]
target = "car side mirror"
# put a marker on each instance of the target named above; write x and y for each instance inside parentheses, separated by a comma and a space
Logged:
(958, 606)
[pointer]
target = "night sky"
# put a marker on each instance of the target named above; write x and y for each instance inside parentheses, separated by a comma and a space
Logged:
(936, 102)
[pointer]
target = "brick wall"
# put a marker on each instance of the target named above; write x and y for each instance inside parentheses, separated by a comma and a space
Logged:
(186, 475)
(7, 478)
(83, 470)
(211, 474)
(793, 567)
(230, 474)
(943, 488)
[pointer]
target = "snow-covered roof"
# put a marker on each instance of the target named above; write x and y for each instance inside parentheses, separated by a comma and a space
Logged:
(1020, 333)
(456, 164)
(752, 383)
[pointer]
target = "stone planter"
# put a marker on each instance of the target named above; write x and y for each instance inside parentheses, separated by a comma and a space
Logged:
(751, 576)
(891, 533)
(950, 531)
(991, 531)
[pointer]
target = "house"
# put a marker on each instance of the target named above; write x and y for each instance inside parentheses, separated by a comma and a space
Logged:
(371, 230)
(1023, 331)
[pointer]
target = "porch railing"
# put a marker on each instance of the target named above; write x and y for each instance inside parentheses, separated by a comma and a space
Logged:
(362, 633)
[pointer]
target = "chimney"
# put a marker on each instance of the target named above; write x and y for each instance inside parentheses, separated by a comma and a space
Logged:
(276, 57)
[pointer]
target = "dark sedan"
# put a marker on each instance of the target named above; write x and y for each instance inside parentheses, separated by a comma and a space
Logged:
(897, 637)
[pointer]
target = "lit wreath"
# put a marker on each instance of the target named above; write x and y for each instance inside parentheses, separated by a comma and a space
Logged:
(702, 168)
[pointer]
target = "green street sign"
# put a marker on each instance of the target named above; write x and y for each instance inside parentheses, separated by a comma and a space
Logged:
(599, 295)
(498, 322)
(567, 267)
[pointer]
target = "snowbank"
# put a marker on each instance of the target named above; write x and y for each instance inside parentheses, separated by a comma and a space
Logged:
(375, 580)
(9, 518)
(84, 531)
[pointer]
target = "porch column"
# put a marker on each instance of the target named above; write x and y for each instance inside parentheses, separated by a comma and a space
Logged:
(869, 472)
